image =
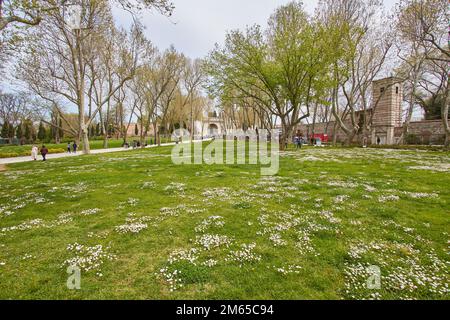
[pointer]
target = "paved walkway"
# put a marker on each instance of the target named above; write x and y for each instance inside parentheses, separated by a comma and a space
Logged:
(79, 153)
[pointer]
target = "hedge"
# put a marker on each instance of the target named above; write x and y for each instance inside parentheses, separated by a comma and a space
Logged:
(27, 153)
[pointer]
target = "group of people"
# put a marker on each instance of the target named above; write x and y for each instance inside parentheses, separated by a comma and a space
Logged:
(44, 151)
(35, 151)
(72, 148)
(135, 144)
(298, 141)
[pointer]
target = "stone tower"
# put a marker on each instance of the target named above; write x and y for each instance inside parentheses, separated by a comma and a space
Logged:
(388, 111)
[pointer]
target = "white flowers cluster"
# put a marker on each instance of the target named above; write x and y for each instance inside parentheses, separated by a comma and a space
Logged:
(88, 258)
(386, 198)
(63, 218)
(72, 191)
(277, 240)
(328, 215)
(356, 276)
(30, 224)
(39, 223)
(194, 210)
(132, 202)
(28, 256)
(291, 268)
(341, 198)
(210, 241)
(369, 188)
(438, 167)
(210, 263)
(303, 243)
(172, 212)
(355, 222)
(148, 185)
(15, 203)
(245, 255)
(405, 269)
(217, 193)
(99, 235)
(171, 277)
(342, 184)
(89, 212)
(421, 195)
(357, 250)
(133, 227)
(212, 221)
(190, 255)
(176, 187)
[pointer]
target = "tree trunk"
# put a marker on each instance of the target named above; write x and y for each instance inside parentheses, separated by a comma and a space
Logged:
(84, 130)
(285, 129)
(105, 137)
(445, 117)
(405, 130)
(85, 140)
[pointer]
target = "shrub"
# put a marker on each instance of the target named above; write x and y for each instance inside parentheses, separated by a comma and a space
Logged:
(28, 153)
(9, 154)
(409, 147)
(413, 139)
(56, 150)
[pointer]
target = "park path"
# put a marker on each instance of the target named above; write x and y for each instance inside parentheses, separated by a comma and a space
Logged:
(4, 161)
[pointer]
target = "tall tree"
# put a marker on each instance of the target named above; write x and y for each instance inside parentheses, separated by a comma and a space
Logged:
(32, 13)
(425, 22)
(42, 132)
(360, 42)
(285, 69)
(56, 65)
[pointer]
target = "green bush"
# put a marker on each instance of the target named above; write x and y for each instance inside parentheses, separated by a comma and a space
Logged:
(9, 154)
(409, 147)
(28, 153)
(56, 150)
(413, 139)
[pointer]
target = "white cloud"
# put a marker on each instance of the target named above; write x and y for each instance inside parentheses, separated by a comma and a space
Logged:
(198, 24)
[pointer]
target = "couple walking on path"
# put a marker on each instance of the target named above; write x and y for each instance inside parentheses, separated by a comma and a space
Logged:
(35, 152)
(74, 147)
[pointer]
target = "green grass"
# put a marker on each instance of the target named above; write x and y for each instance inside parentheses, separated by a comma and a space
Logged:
(8, 151)
(311, 231)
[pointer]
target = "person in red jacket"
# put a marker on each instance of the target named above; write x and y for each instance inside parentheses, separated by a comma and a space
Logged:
(44, 152)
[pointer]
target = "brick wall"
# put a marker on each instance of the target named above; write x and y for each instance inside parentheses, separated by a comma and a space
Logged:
(425, 132)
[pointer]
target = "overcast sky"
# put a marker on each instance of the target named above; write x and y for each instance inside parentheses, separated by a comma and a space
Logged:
(197, 25)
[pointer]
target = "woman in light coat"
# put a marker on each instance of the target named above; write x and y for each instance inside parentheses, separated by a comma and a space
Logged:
(34, 152)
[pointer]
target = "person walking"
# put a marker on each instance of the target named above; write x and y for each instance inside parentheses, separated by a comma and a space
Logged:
(297, 142)
(44, 152)
(74, 147)
(68, 147)
(34, 152)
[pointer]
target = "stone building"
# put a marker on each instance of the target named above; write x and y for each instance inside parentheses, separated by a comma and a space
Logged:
(386, 120)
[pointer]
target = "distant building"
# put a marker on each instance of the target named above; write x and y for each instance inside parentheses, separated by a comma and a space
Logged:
(211, 125)
(386, 124)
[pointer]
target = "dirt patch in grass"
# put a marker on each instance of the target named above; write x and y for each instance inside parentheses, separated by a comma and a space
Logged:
(2, 167)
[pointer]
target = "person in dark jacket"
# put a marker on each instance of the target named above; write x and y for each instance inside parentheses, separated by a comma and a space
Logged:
(44, 152)
(74, 147)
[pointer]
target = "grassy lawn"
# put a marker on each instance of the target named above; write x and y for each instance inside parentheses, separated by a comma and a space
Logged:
(7, 151)
(142, 228)
(25, 150)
